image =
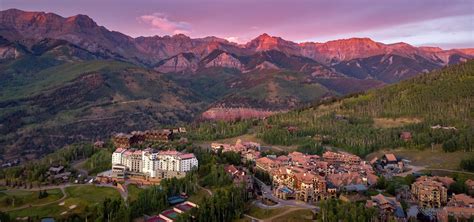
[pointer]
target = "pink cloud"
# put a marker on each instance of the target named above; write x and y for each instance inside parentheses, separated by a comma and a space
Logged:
(161, 22)
(236, 39)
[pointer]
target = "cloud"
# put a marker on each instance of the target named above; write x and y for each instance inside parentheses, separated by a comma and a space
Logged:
(162, 23)
(235, 39)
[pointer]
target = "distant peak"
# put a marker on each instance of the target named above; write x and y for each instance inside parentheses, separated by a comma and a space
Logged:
(82, 20)
(180, 36)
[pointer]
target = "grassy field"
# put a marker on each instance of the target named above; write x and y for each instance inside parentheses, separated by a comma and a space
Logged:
(260, 213)
(198, 196)
(295, 216)
(10, 199)
(431, 159)
(394, 122)
(133, 191)
(78, 198)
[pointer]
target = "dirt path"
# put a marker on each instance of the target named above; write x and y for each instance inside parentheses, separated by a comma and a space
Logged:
(207, 190)
(252, 218)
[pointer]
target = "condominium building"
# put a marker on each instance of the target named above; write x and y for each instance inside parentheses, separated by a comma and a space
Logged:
(429, 192)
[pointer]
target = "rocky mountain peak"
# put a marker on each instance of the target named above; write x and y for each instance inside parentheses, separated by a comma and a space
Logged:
(83, 21)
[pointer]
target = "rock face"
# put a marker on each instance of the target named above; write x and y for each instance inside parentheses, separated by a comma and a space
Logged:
(229, 114)
(225, 60)
(179, 63)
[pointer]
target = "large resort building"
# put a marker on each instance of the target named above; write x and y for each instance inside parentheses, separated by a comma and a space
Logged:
(152, 163)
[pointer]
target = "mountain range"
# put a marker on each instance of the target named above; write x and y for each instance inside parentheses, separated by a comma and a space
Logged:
(69, 79)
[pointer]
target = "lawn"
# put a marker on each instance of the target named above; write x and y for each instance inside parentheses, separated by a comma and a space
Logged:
(78, 198)
(260, 213)
(133, 191)
(296, 216)
(89, 195)
(10, 199)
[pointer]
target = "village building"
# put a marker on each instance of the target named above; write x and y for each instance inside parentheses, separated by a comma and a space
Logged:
(240, 176)
(388, 207)
(429, 192)
(122, 140)
(470, 187)
(311, 178)
(460, 207)
(341, 158)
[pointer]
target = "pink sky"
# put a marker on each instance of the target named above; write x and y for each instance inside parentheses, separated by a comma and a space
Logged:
(444, 23)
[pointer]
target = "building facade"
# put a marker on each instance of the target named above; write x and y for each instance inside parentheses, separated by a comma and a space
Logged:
(151, 163)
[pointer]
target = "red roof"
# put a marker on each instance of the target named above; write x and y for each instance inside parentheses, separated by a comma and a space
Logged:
(186, 156)
(390, 157)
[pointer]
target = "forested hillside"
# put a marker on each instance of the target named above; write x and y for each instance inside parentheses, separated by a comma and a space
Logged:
(434, 108)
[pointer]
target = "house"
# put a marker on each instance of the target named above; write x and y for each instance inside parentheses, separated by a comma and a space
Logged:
(240, 176)
(56, 170)
(389, 208)
(406, 136)
(470, 187)
(389, 160)
(99, 144)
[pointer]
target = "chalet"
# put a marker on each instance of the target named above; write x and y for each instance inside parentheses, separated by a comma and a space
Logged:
(240, 176)
(390, 161)
(56, 170)
(389, 208)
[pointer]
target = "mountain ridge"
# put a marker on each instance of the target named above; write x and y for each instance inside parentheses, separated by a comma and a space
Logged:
(57, 74)
(168, 46)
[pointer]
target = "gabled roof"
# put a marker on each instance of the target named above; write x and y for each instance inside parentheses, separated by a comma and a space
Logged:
(390, 157)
